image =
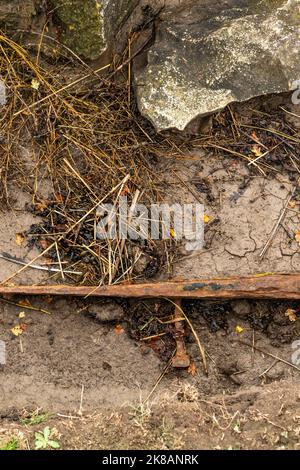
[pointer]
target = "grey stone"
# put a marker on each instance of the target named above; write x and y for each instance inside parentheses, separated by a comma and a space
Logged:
(208, 54)
(89, 27)
(241, 308)
(107, 311)
(82, 25)
(2, 93)
(142, 260)
(16, 14)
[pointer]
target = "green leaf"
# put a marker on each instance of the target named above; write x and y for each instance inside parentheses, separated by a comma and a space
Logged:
(54, 444)
(39, 444)
(13, 444)
(47, 433)
(35, 419)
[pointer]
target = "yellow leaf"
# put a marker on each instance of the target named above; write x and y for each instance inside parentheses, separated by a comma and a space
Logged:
(239, 329)
(20, 239)
(192, 369)
(297, 236)
(291, 314)
(172, 233)
(256, 149)
(292, 204)
(206, 218)
(35, 84)
(17, 330)
(22, 315)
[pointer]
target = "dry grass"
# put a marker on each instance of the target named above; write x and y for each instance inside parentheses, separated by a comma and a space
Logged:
(74, 131)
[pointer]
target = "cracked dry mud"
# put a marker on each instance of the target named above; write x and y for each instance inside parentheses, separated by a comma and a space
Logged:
(241, 221)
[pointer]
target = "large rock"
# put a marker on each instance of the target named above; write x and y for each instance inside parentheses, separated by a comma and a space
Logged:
(16, 14)
(82, 26)
(208, 54)
(89, 27)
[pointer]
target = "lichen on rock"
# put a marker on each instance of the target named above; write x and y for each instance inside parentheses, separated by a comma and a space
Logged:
(89, 27)
(83, 26)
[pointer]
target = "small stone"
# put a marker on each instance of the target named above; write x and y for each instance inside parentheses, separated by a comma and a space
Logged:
(142, 260)
(2, 94)
(107, 311)
(241, 308)
(16, 14)
(276, 372)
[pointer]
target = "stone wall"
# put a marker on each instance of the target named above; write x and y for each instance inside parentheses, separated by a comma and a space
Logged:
(87, 27)
(82, 23)
(16, 14)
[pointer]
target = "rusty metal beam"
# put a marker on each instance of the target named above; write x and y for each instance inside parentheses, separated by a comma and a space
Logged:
(275, 286)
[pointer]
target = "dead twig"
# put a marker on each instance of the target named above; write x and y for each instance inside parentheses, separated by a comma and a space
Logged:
(277, 224)
(14, 260)
(280, 359)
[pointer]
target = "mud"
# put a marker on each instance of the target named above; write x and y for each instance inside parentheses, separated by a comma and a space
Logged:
(67, 362)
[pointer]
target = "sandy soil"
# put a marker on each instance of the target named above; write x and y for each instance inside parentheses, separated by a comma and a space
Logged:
(88, 379)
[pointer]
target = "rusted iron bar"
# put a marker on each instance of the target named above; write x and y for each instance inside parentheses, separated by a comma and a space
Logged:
(275, 286)
(181, 358)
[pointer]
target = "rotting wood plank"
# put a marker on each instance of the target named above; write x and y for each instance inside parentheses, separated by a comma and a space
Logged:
(274, 286)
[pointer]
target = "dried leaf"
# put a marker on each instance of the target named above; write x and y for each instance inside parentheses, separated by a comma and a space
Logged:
(192, 369)
(25, 303)
(254, 135)
(291, 314)
(17, 330)
(256, 149)
(20, 239)
(119, 330)
(292, 204)
(297, 236)
(125, 191)
(59, 197)
(239, 329)
(35, 84)
(41, 206)
(22, 315)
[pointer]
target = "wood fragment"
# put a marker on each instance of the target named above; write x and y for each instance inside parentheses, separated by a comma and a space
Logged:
(273, 286)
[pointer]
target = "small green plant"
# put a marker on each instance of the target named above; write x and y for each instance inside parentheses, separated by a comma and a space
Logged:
(237, 427)
(34, 419)
(13, 444)
(141, 414)
(43, 441)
